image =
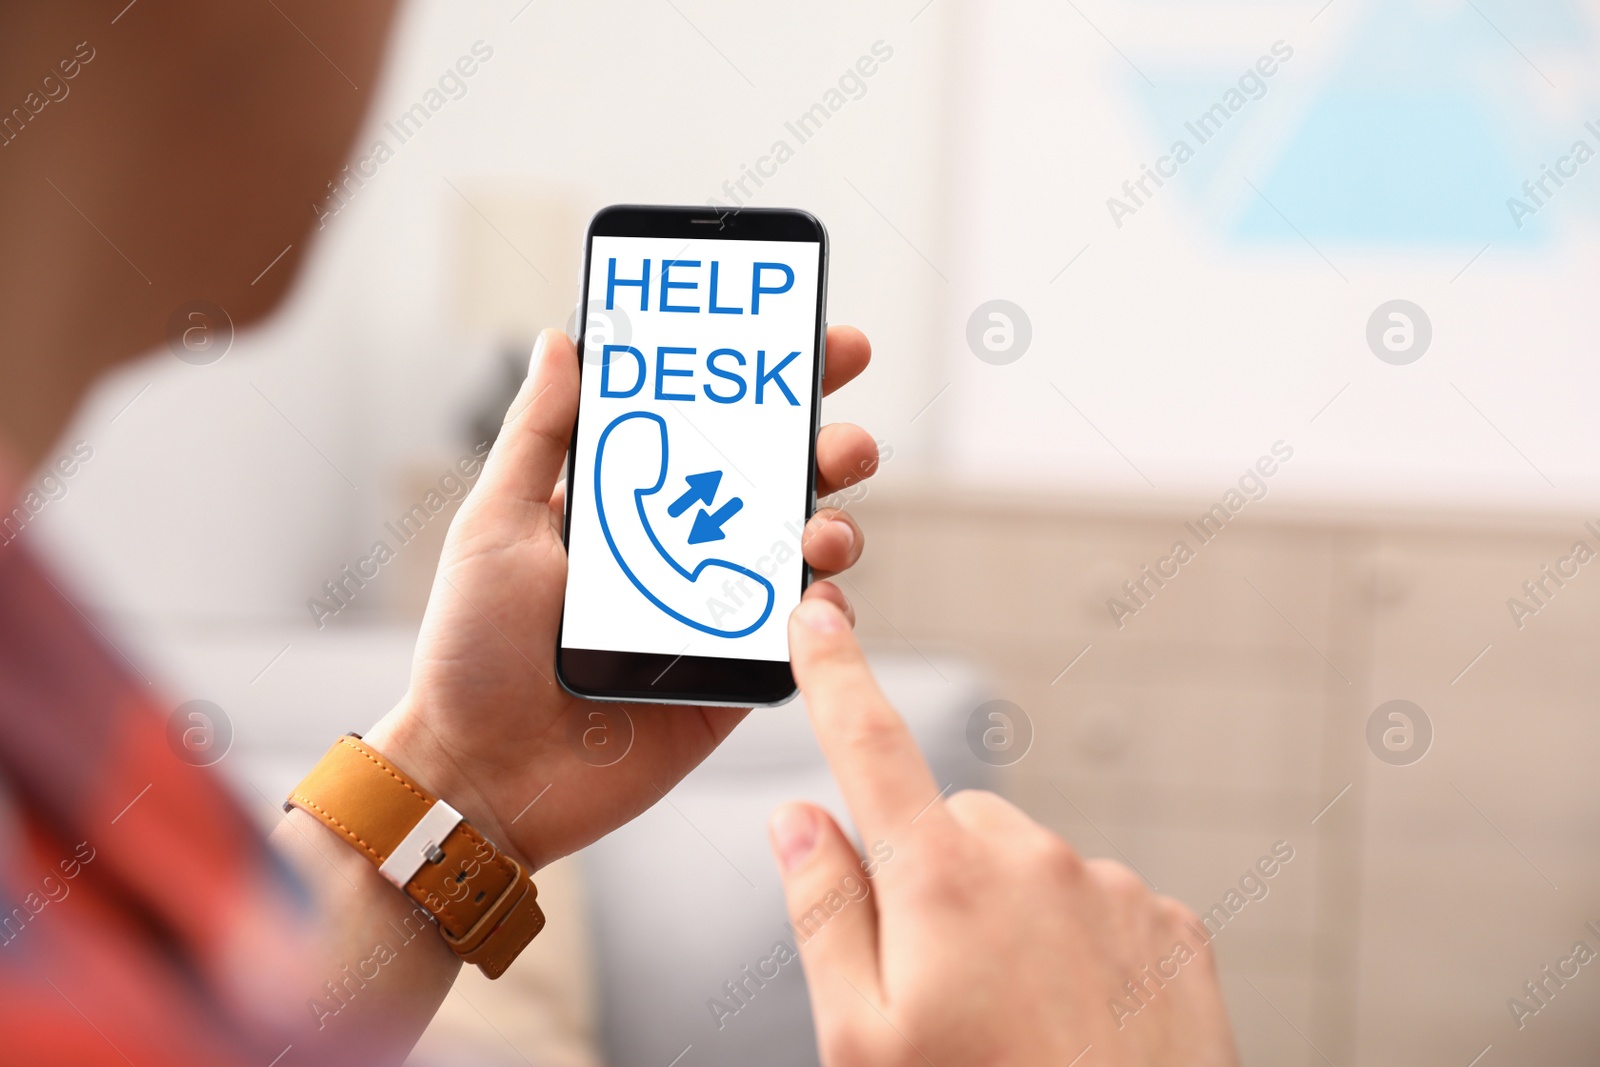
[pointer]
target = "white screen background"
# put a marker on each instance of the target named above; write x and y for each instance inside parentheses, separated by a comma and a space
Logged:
(763, 451)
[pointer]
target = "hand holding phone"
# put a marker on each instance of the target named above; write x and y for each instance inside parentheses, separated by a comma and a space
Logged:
(484, 721)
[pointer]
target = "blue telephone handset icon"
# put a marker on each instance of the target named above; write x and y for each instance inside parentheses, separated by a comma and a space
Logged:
(665, 582)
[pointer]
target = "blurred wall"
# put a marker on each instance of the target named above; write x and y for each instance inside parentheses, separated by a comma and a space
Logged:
(1163, 343)
(234, 490)
(1181, 327)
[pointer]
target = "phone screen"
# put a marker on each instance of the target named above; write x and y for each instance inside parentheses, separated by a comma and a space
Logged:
(690, 477)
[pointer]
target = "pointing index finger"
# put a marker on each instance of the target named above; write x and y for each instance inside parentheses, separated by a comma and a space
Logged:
(885, 781)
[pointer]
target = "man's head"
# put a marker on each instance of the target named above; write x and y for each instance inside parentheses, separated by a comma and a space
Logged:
(152, 154)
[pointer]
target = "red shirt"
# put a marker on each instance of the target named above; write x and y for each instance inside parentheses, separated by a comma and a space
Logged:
(143, 917)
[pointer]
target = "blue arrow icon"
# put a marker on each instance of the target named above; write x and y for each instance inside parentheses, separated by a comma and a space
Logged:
(708, 527)
(702, 490)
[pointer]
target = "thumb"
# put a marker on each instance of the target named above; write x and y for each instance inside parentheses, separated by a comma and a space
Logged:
(831, 907)
(531, 451)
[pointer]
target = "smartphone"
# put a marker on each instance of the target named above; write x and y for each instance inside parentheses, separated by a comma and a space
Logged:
(692, 469)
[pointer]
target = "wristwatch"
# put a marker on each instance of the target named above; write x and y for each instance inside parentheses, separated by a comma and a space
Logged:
(482, 900)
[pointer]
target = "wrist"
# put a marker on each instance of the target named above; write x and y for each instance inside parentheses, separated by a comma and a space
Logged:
(406, 739)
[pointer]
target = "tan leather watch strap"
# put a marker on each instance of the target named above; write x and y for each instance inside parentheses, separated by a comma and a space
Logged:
(484, 902)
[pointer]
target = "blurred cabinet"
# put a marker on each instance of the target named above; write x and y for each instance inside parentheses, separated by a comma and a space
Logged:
(1227, 709)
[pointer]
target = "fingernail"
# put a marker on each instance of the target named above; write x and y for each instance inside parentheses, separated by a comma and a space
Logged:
(794, 835)
(538, 352)
(820, 615)
(849, 533)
